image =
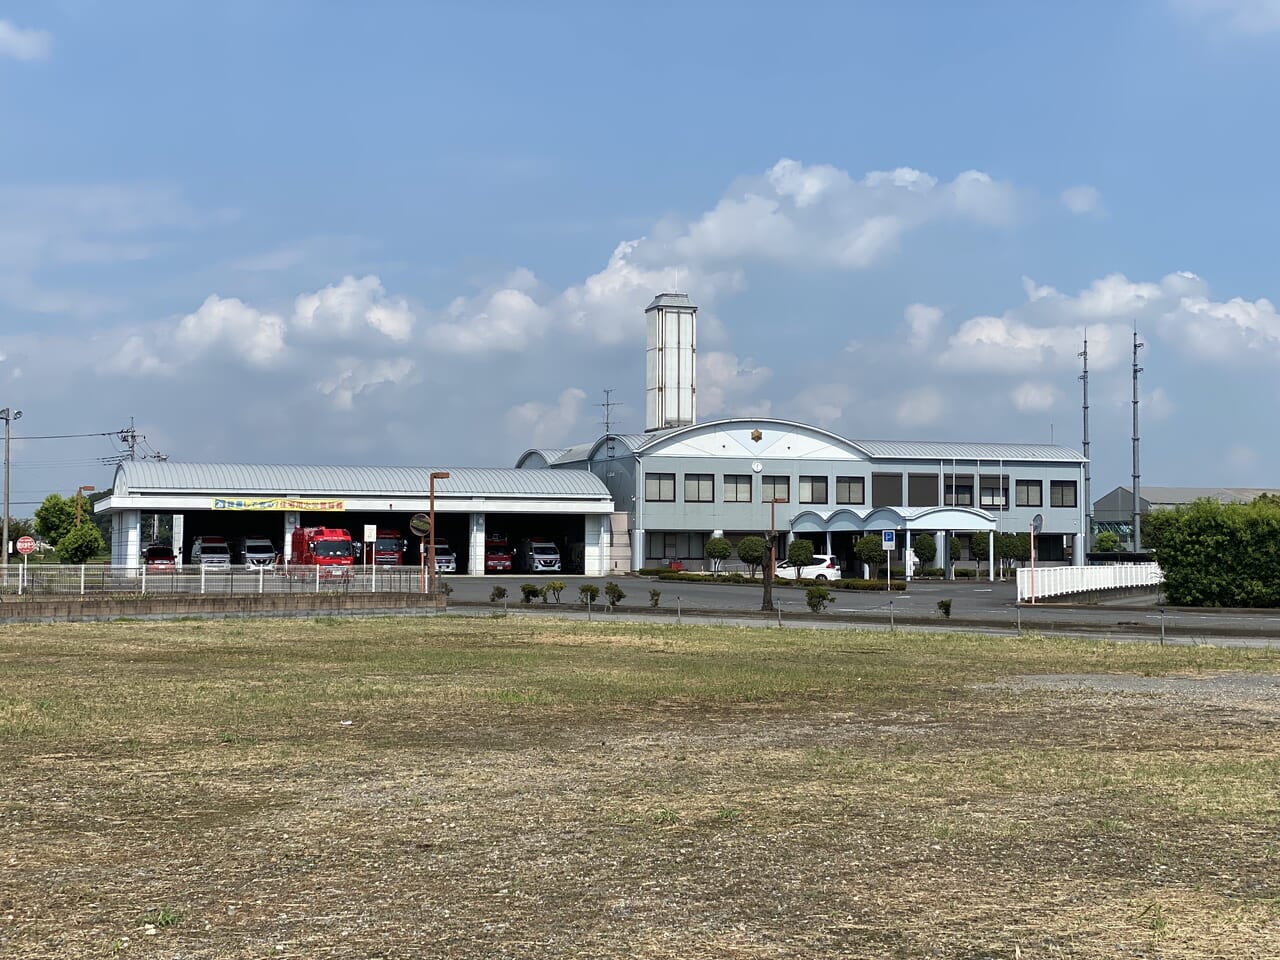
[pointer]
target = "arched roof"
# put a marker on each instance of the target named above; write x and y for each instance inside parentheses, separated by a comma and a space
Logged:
(925, 519)
(151, 476)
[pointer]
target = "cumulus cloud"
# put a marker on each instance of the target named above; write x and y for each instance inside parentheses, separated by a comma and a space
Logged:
(357, 376)
(821, 403)
(231, 325)
(352, 308)
(1082, 199)
(23, 44)
(547, 425)
(724, 383)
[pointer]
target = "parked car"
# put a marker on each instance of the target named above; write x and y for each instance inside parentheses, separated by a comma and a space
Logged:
(211, 552)
(159, 559)
(538, 556)
(446, 560)
(497, 555)
(823, 567)
(255, 552)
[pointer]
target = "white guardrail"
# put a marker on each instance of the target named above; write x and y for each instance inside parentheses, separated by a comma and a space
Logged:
(47, 580)
(1063, 581)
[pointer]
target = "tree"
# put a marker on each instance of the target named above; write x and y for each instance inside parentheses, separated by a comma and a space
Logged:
(1106, 542)
(978, 545)
(751, 552)
(870, 550)
(954, 548)
(718, 550)
(1223, 555)
(926, 549)
(21, 527)
(1156, 525)
(55, 517)
(800, 553)
(80, 544)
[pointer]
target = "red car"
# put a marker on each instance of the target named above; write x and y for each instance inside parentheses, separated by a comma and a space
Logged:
(160, 559)
(497, 555)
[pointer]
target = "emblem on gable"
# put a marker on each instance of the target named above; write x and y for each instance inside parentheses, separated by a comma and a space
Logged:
(757, 436)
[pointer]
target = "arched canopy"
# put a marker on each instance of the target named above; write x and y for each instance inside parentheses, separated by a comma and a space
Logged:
(925, 519)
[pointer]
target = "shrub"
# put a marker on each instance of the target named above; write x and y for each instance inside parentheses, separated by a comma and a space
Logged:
(529, 592)
(734, 577)
(869, 550)
(925, 547)
(1106, 542)
(800, 553)
(718, 550)
(80, 544)
(817, 597)
(751, 551)
(614, 593)
(964, 572)
(944, 608)
(553, 590)
(589, 593)
(654, 597)
(497, 593)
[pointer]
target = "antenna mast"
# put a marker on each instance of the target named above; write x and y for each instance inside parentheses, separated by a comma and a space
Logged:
(608, 406)
(1088, 502)
(1137, 489)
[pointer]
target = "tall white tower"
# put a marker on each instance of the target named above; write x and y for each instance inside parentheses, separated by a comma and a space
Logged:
(670, 392)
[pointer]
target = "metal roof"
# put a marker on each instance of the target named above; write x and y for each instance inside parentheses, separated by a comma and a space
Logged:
(143, 476)
(947, 450)
(1178, 495)
(671, 300)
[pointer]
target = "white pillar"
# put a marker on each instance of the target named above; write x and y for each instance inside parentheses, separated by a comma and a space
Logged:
(178, 534)
(637, 548)
(991, 555)
(126, 539)
(475, 546)
(906, 551)
(943, 539)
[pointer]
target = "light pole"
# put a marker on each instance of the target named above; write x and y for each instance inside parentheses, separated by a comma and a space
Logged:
(87, 488)
(7, 416)
(431, 544)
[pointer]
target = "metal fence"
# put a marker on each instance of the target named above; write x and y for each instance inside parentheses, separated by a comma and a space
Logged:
(48, 580)
(1062, 581)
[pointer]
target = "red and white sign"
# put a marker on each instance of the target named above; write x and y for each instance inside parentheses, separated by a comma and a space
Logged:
(26, 545)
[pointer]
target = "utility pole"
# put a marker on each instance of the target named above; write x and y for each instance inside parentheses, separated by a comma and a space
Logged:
(1137, 474)
(608, 406)
(1087, 541)
(129, 437)
(770, 557)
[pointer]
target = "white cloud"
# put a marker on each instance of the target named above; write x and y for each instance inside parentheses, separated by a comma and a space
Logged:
(547, 425)
(821, 403)
(1033, 397)
(357, 376)
(23, 44)
(725, 383)
(1156, 405)
(134, 357)
(352, 308)
(1242, 458)
(231, 325)
(920, 408)
(1082, 199)
(1253, 17)
(922, 321)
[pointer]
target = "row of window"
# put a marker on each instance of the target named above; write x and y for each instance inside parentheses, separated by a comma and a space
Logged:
(993, 491)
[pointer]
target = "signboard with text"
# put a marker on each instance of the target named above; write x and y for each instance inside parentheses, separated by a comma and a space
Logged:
(887, 539)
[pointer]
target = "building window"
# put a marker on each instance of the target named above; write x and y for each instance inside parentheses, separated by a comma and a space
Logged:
(922, 490)
(960, 493)
(993, 493)
(699, 488)
(813, 489)
(1062, 493)
(737, 488)
(851, 490)
(1029, 493)
(660, 487)
(886, 490)
(675, 546)
(775, 488)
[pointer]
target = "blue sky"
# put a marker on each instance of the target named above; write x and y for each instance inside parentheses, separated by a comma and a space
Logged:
(426, 233)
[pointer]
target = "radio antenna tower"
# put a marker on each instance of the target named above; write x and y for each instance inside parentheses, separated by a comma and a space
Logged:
(608, 406)
(1137, 474)
(1088, 502)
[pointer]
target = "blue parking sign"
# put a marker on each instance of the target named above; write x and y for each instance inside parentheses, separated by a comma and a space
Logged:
(887, 539)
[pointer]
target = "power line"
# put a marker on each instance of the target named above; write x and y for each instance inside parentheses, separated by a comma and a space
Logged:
(70, 436)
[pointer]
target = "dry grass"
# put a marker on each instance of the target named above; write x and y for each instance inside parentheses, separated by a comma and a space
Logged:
(403, 788)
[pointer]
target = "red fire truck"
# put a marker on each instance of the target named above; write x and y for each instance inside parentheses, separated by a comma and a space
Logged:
(388, 549)
(323, 547)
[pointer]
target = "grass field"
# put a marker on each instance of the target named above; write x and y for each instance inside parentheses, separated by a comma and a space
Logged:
(504, 788)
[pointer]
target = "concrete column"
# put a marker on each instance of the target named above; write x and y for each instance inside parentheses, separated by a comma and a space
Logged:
(126, 539)
(475, 546)
(991, 555)
(637, 548)
(906, 549)
(943, 539)
(178, 537)
(290, 524)
(1077, 550)
(595, 545)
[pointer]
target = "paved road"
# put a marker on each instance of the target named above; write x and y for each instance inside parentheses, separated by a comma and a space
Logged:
(975, 605)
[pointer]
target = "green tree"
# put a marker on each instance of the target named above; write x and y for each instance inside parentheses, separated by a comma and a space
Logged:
(869, 550)
(1155, 527)
(751, 552)
(1223, 555)
(800, 553)
(21, 527)
(1106, 542)
(718, 550)
(80, 544)
(926, 549)
(978, 546)
(55, 517)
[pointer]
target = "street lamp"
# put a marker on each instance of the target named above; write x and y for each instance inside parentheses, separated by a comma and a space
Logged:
(431, 544)
(7, 416)
(87, 488)
(772, 559)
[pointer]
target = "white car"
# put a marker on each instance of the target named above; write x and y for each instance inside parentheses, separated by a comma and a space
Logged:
(823, 567)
